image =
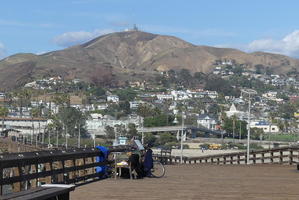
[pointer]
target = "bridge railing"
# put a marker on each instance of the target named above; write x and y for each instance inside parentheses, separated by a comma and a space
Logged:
(22, 171)
(286, 155)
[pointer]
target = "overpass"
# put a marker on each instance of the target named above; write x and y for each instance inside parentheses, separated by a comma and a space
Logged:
(187, 128)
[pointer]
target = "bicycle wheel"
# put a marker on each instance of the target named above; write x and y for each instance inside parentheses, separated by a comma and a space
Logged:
(158, 169)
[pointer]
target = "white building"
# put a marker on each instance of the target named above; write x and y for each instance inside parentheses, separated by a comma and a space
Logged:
(164, 97)
(135, 104)
(113, 98)
(96, 125)
(180, 95)
(233, 111)
(206, 121)
(266, 126)
(26, 126)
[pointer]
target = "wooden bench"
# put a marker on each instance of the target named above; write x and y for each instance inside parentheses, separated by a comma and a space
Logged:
(45, 192)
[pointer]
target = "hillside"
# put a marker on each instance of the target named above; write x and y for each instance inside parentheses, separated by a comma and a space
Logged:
(121, 56)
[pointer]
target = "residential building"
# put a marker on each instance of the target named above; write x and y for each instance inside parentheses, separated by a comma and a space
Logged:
(113, 98)
(206, 121)
(266, 126)
(26, 126)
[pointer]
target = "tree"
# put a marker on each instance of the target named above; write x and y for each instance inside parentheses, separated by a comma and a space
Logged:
(185, 78)
(166, 138)
(256, 133)
(61, 99)
(132, 131)
(149, 138)
(97, 91)
(69, 118)
(121, 130)
(110, 132)
(286, 110)
(125, 106)
(228, 126)
(3, 113)
(144, 110)
(126, 94)
(24, 98)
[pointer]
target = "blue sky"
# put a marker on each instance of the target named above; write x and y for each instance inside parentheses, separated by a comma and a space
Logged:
(251, 25)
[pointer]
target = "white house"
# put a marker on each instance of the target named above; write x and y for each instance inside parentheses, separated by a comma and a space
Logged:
(206, 121)
(113, 98)
(164, 97)
(180, 95)
(266, 126)
(135, 104)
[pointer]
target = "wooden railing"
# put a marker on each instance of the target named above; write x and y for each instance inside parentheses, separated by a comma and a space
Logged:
(22, 171)
(286, 155)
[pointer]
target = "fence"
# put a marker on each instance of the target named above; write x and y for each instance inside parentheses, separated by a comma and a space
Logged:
(286, 155)
(22, 171)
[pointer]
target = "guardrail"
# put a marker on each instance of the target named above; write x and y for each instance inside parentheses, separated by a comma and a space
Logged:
(21, 171)
(285, 155)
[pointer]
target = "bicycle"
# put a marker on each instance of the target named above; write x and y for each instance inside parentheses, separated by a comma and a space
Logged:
(158, 170)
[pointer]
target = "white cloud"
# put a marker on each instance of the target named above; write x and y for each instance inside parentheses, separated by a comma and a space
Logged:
(73, 38)
(289, 45)
(2, 51)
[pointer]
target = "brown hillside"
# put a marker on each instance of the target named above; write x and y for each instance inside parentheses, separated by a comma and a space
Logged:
(117, 56)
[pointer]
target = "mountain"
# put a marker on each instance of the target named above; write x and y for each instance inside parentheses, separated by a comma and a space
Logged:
(133, 55)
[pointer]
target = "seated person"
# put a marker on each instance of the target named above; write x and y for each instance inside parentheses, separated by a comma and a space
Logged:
(134, 161)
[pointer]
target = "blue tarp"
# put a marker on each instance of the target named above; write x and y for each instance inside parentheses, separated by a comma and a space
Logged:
(105, 151)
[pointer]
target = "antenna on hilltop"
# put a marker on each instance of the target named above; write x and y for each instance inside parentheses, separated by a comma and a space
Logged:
(135, 28)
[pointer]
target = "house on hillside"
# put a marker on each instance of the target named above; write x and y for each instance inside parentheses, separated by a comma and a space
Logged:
(233, 111)
(206, 121)
(113, 98)
(266, 126)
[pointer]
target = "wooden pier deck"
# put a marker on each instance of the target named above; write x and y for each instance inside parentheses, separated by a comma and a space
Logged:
(208, 182)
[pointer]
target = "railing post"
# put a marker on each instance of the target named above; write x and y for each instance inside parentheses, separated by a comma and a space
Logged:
(254, 158)
(232, 160)
(224, 160)
(271, 156)
(281, 157)
(263, 158)
(291, 157)
(218, 160)
(238, 158)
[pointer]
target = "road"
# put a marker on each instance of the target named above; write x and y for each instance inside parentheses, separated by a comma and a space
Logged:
(208, 182)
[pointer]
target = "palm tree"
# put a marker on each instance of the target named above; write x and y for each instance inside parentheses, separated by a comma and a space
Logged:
(3, 114)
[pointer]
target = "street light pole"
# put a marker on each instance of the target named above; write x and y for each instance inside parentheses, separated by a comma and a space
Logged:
(249, 92)
(94, 140)
(248, 135)
(182, 135)
(79, 135)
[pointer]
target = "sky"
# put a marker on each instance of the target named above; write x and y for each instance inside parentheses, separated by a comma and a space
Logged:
(35, 26)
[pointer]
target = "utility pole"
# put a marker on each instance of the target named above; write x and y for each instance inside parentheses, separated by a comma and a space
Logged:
(56, 137)
(240, 130)
(79, 135)
(249, 92)
(66, 137)
(234, 129)
(182, 135)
